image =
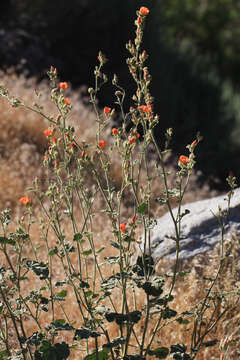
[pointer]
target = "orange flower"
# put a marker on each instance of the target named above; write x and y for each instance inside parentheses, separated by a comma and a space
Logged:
(48, 132)
(183, 159)
(45, 157)
(67, 101)
(102, 144)
(114, 131)
(141, 108)
(131, 140)
(148, 108)
(145, 108)
(123, 227)
(54, 140)
(63, 85)
(25, 200)
(107, 110)
(144, 11)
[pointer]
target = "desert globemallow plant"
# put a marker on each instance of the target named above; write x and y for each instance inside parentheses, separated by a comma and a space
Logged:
(120, 303)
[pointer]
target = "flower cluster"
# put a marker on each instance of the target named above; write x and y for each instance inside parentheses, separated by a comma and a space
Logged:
(145, 108)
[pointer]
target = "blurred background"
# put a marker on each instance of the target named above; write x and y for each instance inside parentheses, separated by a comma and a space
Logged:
(194, 60)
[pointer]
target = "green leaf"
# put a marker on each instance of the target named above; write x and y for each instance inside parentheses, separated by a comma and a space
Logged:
(60, 324)
(168, 313)
(114, 244)
(142, 207)
(87, 252)
(112, 259)
(77, 237)
(40, 269)
(4, 240)
(60, 283)
(35, 339)
(88, 293)
(62, 294)
(178, 352)
(110, 283)
(85, 333)
(144, 263)
(102, 355)
(60, 351)
(154, 287)
(183, 273)
(53, 251)
(115, 342)
(131, 317)
(210, 343)
(100, 250)
(84, 285)
(160, 353)
(183, 321)
(59, 321)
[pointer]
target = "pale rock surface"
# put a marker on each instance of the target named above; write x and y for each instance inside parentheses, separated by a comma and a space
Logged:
(199, 228)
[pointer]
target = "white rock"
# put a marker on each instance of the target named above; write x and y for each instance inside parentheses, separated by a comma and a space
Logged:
(199, 229)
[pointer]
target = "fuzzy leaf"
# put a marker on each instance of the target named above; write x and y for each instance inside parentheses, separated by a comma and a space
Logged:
(142, 208)
(4, 240)
(60, 324)
(62, 294)
(112, 259)
(87, 252)
(85, 333)
(168, 313)
(40, 269)
(77, 237)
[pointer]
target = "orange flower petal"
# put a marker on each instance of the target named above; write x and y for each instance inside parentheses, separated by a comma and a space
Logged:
(184, 159)
(102, 144)
(144, 11)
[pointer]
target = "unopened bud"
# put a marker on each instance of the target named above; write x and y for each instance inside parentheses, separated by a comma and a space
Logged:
(91, 91)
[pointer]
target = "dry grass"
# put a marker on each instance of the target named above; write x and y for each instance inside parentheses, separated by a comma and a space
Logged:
(22, 146)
